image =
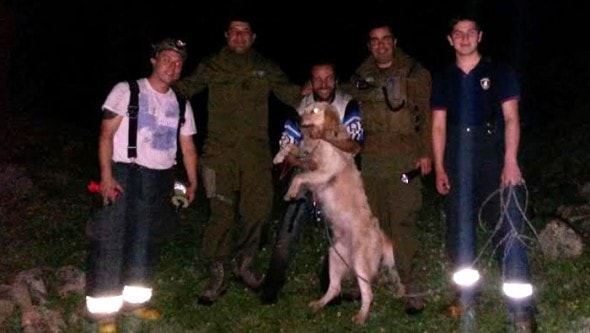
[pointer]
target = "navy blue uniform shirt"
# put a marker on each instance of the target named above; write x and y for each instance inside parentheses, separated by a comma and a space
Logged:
(475, 98)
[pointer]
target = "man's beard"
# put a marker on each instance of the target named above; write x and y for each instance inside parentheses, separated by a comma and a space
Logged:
(329, 99)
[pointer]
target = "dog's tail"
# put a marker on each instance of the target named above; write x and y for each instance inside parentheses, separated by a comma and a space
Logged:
(388, 257)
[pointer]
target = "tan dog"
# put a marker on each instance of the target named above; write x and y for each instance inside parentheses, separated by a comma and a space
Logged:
(358, 243)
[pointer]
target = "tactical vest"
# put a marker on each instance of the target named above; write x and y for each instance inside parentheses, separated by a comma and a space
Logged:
(391, 89)
(384, 95)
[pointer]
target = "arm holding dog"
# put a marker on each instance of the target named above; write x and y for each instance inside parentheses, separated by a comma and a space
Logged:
(341, 139)
(350, 135)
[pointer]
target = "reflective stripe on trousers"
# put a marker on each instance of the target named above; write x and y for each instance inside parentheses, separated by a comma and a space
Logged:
(474, 162)
(125, 237)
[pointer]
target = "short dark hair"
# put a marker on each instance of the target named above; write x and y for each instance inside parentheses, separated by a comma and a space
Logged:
(463, 16)
(322, 62)
(380, 23)
(240, 15)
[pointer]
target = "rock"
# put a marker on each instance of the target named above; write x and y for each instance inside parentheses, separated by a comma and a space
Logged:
(574, 214)
(35, 283)
(585, 191)
(70, 280)
(6, 309)
(558, 240)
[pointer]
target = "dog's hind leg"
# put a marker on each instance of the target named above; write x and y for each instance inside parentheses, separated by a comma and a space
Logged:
(337, 270)
(365, 268)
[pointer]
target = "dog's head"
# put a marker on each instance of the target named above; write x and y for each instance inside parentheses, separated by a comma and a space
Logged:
(320, 116)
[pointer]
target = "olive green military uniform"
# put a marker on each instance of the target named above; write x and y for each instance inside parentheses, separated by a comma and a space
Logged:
(396, 119)
(236, 163)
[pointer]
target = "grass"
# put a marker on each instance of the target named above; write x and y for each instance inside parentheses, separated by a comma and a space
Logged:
(43, 221)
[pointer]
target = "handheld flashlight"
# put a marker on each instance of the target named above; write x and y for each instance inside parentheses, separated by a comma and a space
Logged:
(179, 198)
(407, 177)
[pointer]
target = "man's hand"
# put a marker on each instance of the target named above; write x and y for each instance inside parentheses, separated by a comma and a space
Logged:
(110, 190)
(511, 175)
(191, 189)
(306, 89)
(443, 186)
(425, 164)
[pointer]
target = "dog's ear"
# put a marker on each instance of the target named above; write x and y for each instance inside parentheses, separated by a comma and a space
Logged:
(331, 119)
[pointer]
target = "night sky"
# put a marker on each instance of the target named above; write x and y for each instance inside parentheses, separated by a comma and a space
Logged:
(67, 55)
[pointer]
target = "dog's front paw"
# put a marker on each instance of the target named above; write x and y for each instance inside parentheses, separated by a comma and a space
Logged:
(282, 154)
(291, 194)
(280, 157)
(294, 189)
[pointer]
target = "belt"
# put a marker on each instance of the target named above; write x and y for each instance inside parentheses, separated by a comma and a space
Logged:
(130, 165)
(487, 129)
(135, 166)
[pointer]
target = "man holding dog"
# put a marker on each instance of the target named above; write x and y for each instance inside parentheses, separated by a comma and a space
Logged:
(324, 89)
(394, 91)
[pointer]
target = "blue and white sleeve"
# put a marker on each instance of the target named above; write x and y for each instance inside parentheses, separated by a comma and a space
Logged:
(353, 121)
(291, 134)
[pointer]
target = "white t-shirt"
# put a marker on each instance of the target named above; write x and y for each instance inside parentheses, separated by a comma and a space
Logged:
(157, 125)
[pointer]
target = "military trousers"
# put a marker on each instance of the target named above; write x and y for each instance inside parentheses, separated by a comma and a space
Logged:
(397, 206)
(241, 202)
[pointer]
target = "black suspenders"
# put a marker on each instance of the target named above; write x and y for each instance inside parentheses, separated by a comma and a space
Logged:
(132, 111)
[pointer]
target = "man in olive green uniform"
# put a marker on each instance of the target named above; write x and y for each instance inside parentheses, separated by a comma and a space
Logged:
(394, 90)
(236, 161)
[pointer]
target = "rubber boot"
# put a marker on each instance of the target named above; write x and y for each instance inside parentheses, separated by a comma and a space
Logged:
(273, 282)
(216, 285)
(107, 327)
(523, 322)
(244, 271)
(414, 300)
